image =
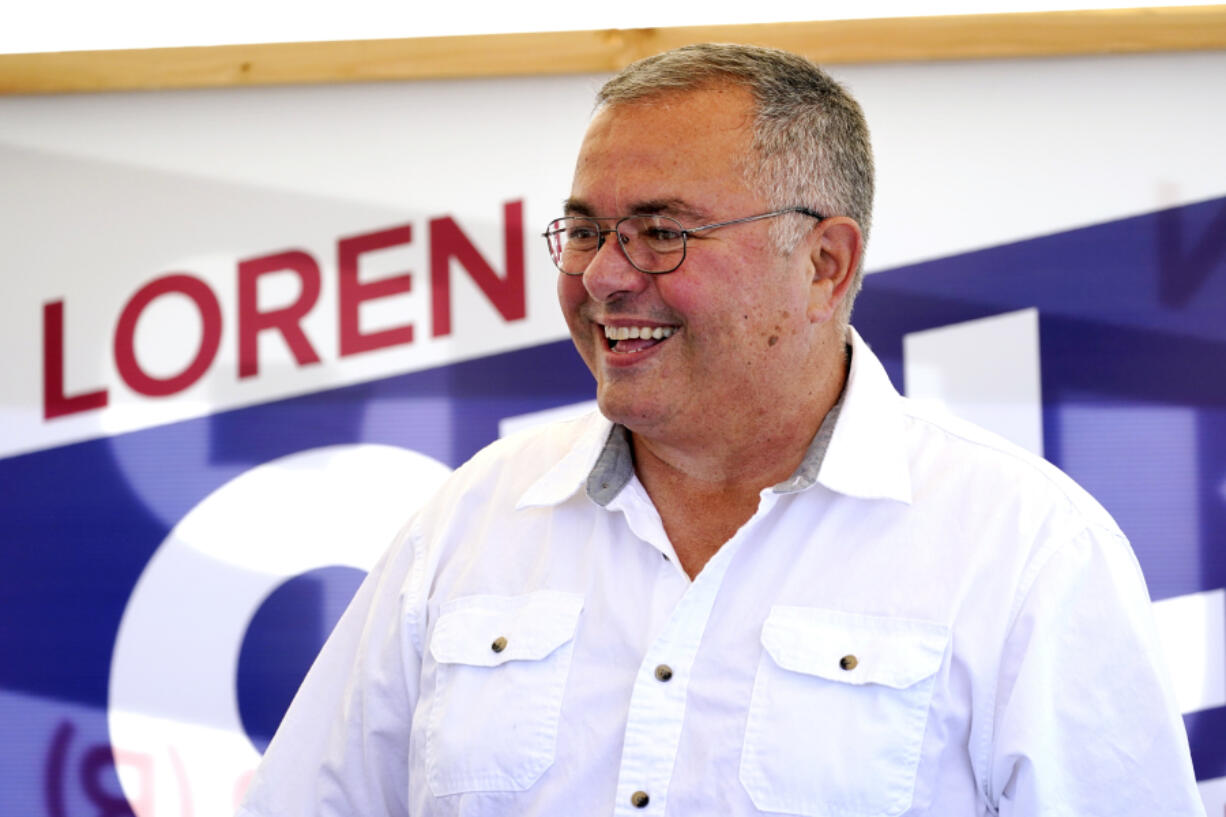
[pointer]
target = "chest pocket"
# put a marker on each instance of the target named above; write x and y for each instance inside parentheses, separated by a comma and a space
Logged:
(502, 663)
(838, 712)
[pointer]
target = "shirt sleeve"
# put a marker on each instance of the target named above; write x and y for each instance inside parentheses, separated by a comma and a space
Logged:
(1086, 721)
(342, 747)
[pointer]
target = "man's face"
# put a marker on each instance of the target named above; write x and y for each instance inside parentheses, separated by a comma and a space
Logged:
(734, 313)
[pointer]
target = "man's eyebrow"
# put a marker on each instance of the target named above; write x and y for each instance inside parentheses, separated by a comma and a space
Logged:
(577, 207)
(677, 208)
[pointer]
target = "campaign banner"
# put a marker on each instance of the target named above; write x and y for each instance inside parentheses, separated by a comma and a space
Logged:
(248, 332)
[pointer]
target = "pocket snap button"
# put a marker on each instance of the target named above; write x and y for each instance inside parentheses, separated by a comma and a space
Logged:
(639, 799)
(848, 662)
(499, 644)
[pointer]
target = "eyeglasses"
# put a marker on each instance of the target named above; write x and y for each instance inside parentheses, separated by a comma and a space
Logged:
(652, 244)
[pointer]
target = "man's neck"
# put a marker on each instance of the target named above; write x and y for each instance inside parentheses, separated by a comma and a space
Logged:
(707, 484)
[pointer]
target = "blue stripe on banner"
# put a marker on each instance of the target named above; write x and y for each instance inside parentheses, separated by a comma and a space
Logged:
(1207, 736)
(77, 535)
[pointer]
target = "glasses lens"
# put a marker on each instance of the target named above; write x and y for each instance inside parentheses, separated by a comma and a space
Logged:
(653, 243)
(572, 243)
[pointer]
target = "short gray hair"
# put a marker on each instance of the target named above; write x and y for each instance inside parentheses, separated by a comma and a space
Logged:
(810, 135)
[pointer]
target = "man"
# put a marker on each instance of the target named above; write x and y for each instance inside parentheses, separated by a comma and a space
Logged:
(765, 583)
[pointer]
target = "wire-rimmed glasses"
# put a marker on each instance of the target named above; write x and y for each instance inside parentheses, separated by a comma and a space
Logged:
(651, 243)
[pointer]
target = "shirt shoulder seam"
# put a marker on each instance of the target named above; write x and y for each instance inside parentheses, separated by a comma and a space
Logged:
(1077, 500)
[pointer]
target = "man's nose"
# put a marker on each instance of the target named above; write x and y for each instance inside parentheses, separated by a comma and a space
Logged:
(610, 273)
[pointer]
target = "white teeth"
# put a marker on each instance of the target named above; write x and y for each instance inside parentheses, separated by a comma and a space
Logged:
(628, 332)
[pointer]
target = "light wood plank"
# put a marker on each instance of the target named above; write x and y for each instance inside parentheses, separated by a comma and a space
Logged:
(832, 42)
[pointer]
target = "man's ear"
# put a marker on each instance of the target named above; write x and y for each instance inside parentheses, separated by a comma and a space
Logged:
(836, 245)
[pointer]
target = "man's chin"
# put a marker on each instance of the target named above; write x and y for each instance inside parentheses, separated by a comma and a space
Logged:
(635, 414)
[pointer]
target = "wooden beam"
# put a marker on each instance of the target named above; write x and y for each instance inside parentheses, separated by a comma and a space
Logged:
(981, 36)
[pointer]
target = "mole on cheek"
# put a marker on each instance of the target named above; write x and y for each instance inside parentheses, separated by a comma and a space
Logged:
(772, 340)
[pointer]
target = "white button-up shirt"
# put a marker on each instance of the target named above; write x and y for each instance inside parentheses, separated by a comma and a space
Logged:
(923, 620)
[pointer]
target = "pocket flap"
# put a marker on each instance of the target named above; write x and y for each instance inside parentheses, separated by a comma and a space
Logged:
(487, 631)
(853, 648)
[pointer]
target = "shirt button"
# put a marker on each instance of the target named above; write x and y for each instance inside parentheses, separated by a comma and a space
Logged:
(848, 662)
(499, 644)
(639, 799)
(664, 672)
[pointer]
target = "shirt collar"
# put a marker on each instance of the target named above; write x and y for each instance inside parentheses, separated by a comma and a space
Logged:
(858, 449)
(806, 473)
(595, 445)
(867, 456)
(613, 468)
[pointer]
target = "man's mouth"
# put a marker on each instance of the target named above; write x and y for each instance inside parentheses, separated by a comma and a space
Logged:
(632, 339)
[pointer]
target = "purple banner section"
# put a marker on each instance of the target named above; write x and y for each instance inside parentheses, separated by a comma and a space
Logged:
(1132, 314)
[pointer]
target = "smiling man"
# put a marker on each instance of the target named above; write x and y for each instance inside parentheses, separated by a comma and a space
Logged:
(751, 353)
(759, 580)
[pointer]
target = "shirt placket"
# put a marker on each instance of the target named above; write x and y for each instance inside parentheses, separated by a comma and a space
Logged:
(657, 701)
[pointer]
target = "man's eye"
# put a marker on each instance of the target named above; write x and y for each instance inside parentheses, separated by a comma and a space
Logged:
(580, 234)
(663, 234)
